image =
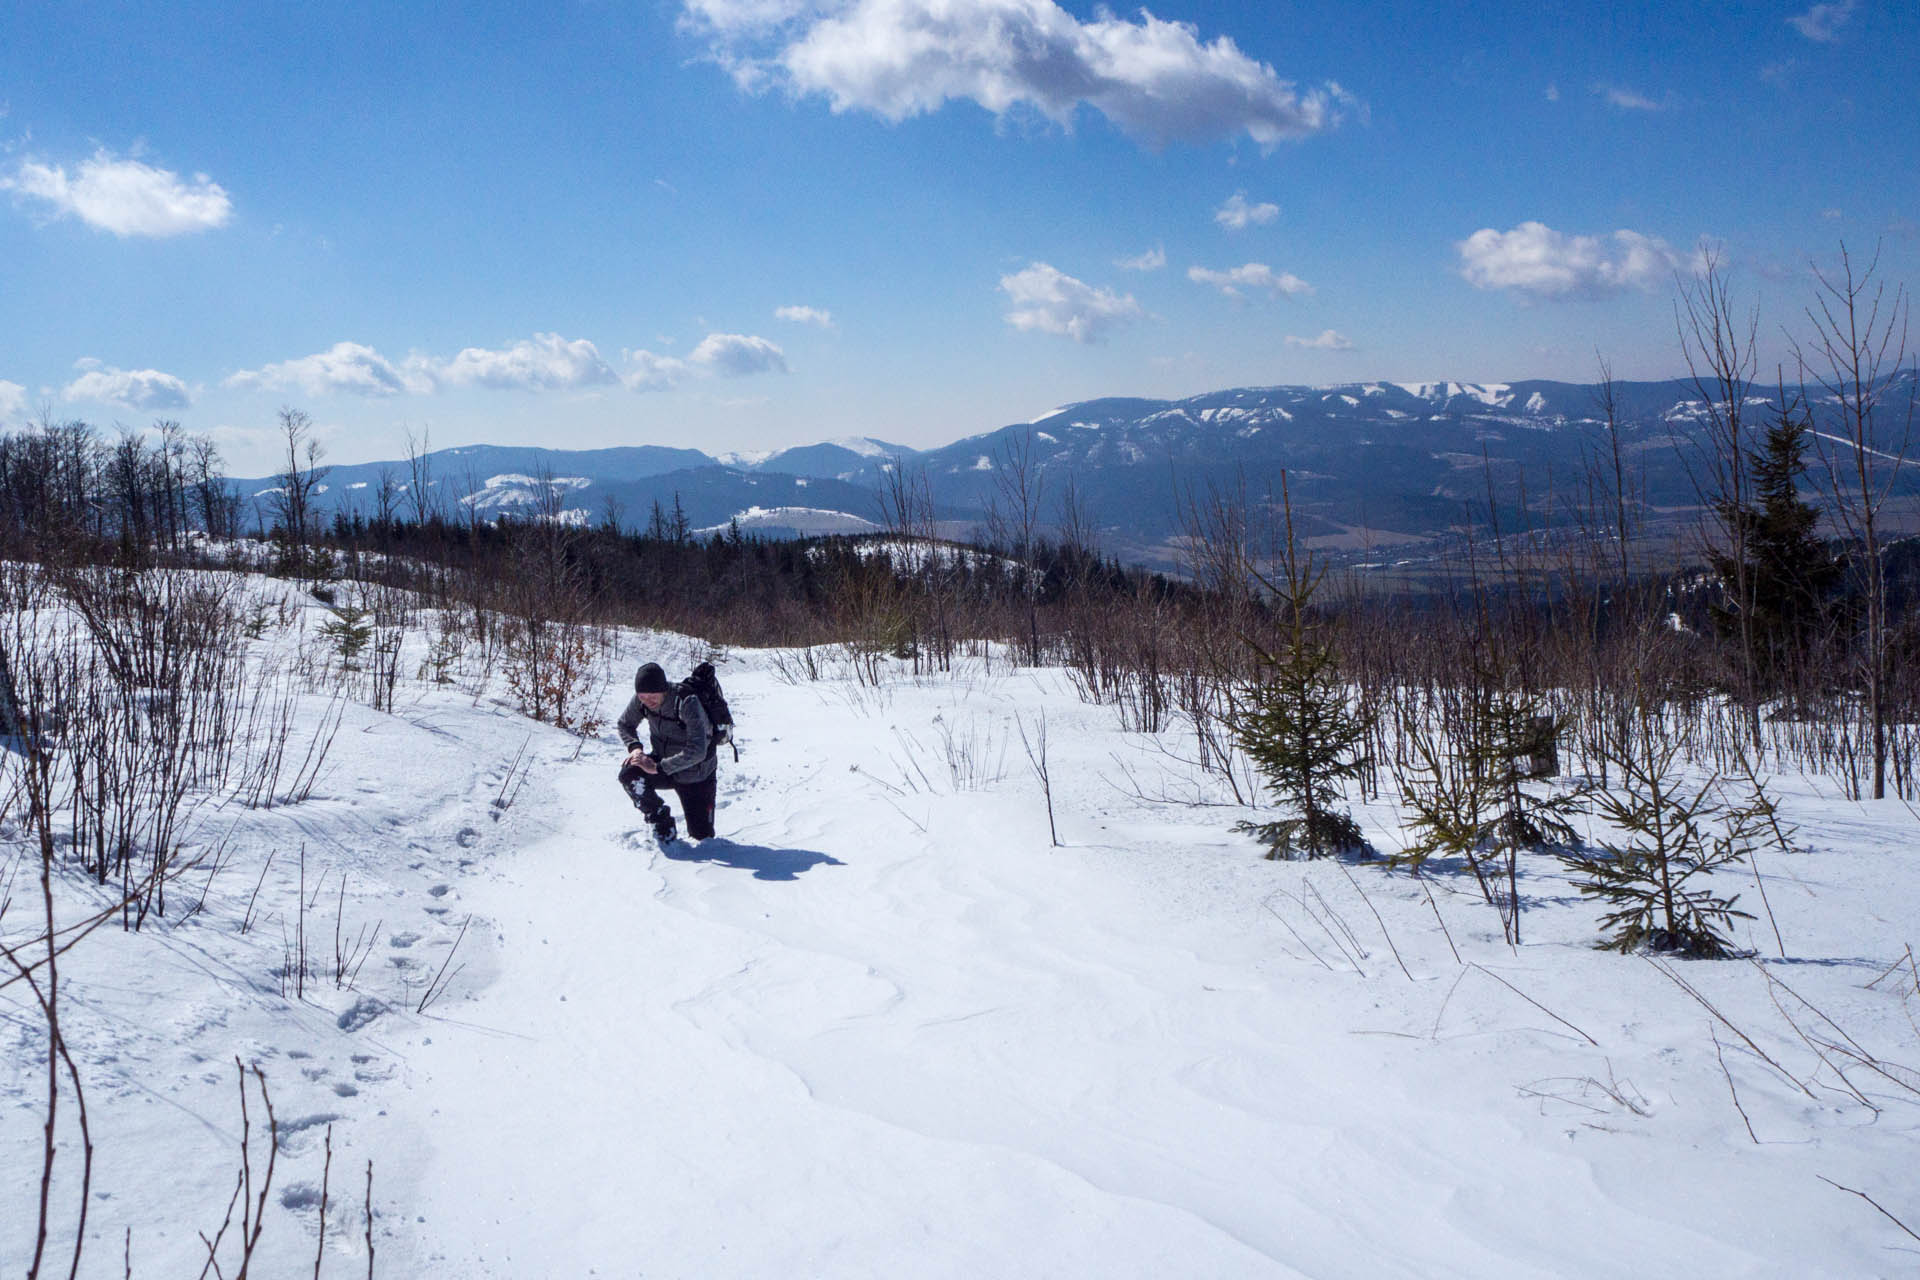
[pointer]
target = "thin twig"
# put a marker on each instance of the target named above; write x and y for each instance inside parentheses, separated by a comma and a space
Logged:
(369, 1220)
(1870, 1200)
(1745, 1038)
(1730, 1089)
(1536, 1004)
(1889, 971)
(435, 988)
(1443, 924)
(1820, 1053)
(1853, 1048)
(1376, 916)
(1435, 1033)
(326, 1172)
(1333, 915)
(213, 1245)
(246, 921)
(1296, 935)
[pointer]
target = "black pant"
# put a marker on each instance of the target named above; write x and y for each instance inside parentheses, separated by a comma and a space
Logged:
(696, 798)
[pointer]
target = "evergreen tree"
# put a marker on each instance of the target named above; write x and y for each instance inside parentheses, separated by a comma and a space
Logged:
(1797, 571)
(1297, 724)
(1674, 831)
(1790, 572)
(1472, 790)
(348, 630)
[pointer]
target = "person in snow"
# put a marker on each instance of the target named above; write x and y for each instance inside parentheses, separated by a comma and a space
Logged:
(683, 758)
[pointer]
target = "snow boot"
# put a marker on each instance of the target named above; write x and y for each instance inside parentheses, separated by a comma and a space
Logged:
(665, 830)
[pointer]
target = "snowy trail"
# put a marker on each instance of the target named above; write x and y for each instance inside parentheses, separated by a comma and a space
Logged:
(614, 1126)
(831, 1043)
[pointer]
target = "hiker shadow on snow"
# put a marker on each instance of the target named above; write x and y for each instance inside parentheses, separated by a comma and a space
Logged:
(765, 863)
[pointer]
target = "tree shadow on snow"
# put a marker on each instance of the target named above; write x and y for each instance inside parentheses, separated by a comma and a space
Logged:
(765, 863)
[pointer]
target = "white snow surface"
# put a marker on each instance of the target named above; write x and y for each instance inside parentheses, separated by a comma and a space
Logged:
(865, 446)
(511, 490)
(880, 1026)
(810, 519)
(1493, 394)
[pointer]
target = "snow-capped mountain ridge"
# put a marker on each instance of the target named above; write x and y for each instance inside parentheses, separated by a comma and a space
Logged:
(1403, 460)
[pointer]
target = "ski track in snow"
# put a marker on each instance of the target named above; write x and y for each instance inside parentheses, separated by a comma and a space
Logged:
(880, 1028)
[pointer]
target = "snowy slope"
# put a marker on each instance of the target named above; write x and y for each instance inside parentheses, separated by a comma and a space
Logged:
(882, 1027)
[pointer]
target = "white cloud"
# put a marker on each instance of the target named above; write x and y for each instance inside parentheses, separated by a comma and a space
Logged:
(650, 372)
(737, 355)
(346, 366)
(1253, 275)
(124, 196)
(132, 388)
(1053, 302)
(1538, 261)
(724, 355)
(1630, 99)
(547, 362)
(1553, 93)
(1155, 80)
(1152, 260)
(1823, 21)
(13, 401)
(805, 315)
(1327, 341)
(1237, 215)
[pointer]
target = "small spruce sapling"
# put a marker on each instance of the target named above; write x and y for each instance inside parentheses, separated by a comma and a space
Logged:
(349, 630)
(1673, 834)
(1474, 793)
(1297, 724)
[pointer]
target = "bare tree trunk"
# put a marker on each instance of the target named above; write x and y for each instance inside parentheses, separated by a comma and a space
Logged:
(1860, 335)
(1014, 518)
(1719, 345)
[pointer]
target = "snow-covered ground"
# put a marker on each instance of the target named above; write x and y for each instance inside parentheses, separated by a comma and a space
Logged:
(881, 1026)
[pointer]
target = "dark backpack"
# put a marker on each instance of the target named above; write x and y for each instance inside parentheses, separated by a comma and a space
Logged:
(705, 685)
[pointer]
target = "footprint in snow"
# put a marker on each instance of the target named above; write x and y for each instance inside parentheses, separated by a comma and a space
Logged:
(300, 1196)
(298, 1134)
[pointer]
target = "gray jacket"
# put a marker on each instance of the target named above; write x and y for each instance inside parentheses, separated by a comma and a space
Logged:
(680, 732)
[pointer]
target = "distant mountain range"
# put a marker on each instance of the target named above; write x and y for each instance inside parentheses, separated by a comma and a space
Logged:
(1370, 465)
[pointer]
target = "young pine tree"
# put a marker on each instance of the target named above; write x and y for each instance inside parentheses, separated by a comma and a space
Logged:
(349, 630)
(1673, 833)
(1472, 793)
(1296, 722)
(1790, 573)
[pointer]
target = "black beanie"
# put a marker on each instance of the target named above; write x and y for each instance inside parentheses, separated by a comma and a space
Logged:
(650, 679)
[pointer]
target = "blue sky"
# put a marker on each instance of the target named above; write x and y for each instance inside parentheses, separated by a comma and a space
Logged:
(743, 224)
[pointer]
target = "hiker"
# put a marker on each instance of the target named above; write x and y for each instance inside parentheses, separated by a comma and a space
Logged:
(683, 758)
